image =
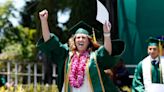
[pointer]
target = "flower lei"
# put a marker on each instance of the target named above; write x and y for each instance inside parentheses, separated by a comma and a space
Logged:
(77, 71)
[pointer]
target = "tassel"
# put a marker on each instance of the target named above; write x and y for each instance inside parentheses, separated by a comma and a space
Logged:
(94, 36)
(160, 47)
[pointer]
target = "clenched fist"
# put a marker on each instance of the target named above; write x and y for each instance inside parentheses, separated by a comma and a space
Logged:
(43, 15)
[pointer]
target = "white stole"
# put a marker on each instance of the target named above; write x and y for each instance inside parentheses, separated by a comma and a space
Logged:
(146, 68)
(162, 64)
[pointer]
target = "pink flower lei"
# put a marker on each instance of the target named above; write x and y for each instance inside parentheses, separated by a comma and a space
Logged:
(77, 71)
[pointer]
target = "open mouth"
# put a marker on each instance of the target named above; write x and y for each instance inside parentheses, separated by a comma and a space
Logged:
(81, 44)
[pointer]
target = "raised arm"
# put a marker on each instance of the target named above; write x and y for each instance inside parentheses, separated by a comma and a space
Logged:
(44, 25)
(107, 39)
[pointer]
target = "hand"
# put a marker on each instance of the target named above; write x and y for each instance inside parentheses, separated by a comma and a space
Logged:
(43, 15)
(107, 27)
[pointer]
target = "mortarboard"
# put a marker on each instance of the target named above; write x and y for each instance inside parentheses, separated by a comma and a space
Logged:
(83, 27)
(118, 45)
(152, 41)
(161, 38)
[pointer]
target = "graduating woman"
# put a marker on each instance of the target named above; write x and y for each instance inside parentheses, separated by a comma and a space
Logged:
(81, 62)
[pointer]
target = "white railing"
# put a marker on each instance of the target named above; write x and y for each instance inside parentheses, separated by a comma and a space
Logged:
(13, 73)
(131, 67)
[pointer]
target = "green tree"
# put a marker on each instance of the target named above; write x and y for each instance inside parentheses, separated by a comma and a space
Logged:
(5, 12)
(20, 47)
(16, 43)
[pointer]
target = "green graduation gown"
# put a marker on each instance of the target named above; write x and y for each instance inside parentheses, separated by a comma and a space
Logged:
(59, 53)
(138, 82)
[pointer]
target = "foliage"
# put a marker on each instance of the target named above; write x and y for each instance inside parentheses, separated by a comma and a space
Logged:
(18, 44)
(5, 13)
(30, 88)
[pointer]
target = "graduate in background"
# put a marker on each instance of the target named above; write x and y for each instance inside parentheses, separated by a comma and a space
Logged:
(149, 70)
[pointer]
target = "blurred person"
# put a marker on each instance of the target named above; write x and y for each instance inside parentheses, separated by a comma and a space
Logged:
(120, 76)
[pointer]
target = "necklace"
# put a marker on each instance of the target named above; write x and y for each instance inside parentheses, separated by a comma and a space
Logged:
(77, 72)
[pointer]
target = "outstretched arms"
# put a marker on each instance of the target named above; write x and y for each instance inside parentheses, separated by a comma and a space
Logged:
(44, 25)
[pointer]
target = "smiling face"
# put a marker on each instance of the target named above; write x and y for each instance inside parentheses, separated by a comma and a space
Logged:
(81, 42)
(153, 51)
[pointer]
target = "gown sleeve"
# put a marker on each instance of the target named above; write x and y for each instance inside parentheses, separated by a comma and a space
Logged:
(53, 48)
(137, 83)
(105, 60)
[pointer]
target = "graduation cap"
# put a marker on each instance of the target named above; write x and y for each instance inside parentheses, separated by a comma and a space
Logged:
(155, 42)
(83, 28)
(152, 41)
(161, 38)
